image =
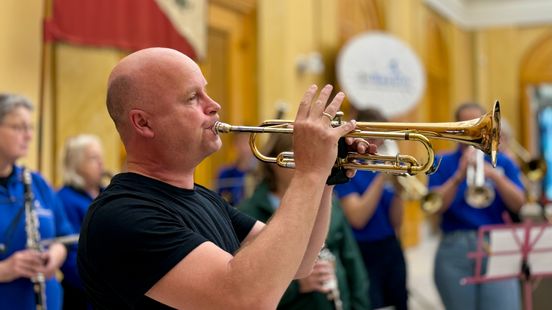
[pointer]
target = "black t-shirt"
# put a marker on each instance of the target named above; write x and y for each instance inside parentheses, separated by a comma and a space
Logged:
(139, 228)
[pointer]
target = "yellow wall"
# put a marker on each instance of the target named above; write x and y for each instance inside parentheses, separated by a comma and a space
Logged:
(81, 83)
(287, 30)
(500, 53)
(20, 37)
(482, 65)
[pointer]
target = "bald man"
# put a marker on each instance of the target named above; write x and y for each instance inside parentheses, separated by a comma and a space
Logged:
(154, 239)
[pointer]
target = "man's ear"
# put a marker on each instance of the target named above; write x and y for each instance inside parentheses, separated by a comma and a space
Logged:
(139, 120)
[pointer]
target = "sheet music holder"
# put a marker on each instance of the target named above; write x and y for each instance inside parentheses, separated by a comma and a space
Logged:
(521, 251)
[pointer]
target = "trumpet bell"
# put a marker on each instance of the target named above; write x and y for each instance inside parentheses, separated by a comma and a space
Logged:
(535, 169)
(479, 197)
(432, 202)
(482, 133)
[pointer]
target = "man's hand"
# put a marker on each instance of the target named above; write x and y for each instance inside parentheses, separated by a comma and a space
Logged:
(314, 139)
(468, 157)
(360, 146)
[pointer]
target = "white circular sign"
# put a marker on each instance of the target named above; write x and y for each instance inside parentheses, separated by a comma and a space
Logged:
(378, 70)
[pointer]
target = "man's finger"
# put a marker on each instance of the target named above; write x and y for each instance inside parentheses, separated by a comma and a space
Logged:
(345, 128)
(320, 104)
(305, 104)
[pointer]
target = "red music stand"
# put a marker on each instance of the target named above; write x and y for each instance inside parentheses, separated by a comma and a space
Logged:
(515, 251)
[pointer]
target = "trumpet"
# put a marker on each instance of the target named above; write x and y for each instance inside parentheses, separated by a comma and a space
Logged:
(534, 168)
(482, 133)
(410, 187)
(430, 201)
(478, 194)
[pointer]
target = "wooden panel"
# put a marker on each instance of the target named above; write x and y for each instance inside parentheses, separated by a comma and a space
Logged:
(216, 71)
(80, 98)
(537, 63)
(536, 68)
(229, 68)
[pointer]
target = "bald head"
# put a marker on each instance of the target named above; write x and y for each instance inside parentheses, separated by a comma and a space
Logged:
(138, 79)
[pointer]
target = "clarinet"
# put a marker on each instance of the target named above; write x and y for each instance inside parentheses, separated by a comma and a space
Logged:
(334, 294)
(33, 239)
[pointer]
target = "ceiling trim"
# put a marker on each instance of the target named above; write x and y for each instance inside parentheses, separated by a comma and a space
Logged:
(474, 14)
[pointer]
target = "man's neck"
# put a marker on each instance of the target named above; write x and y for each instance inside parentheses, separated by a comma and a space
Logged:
(182, 179)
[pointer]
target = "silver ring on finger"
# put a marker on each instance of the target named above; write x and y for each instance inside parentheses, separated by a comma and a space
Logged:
(325, 114)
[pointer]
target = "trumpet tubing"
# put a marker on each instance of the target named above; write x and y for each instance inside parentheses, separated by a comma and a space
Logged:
(534, 168)
(482, 133)
(430, 201)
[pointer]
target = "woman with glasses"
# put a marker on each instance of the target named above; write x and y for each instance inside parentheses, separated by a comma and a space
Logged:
(21, 266)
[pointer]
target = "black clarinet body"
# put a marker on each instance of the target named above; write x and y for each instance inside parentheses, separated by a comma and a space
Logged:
(33, 239)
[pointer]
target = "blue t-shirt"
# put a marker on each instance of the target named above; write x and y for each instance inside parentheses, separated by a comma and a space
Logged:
(18, 294)
(460, 215)
(379, 226)
(231, 184)
(75, 203)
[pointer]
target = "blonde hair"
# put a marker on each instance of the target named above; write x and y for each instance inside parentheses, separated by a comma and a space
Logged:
(73, 155)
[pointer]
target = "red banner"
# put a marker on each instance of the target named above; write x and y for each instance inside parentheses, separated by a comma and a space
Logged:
(124, 24)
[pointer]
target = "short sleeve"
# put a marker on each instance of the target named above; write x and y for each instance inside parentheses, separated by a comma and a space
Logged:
(135, 244)
(241, 222)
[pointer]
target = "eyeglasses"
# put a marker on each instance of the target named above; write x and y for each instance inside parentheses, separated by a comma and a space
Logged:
(19, 128)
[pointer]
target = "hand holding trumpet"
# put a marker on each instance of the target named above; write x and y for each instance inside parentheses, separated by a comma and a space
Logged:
(316, 140)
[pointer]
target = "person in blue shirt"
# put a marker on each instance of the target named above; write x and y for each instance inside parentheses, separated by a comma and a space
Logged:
(232, 179)
(374, 210)
(460, 222)
(18, 265)
(83, 170)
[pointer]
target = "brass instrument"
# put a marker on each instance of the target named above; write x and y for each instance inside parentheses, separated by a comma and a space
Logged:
(411, 187)
(33, 239)
(534, 168)
(478, 194)
(482, 133)
(430, 201)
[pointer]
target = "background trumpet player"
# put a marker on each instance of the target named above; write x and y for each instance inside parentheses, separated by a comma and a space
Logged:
(347, 269)
(375, 211)
(17, 263)
(460, 221)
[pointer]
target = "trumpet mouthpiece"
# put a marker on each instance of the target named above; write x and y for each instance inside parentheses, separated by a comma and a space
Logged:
(219, 127)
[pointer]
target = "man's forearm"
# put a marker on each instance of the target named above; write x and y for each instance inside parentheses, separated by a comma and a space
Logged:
(282, 243)
(319, 232)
